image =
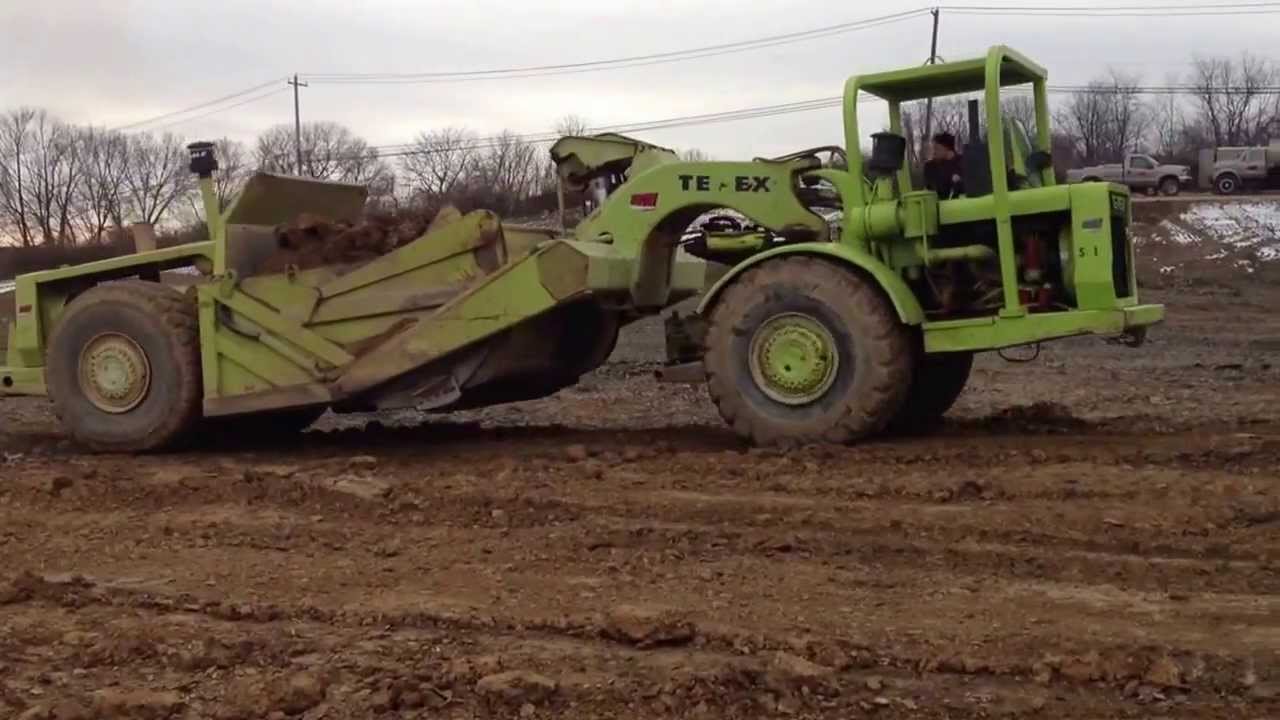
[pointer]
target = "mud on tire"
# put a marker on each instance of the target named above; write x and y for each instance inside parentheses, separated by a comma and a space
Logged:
(874, 360)
(152, 332)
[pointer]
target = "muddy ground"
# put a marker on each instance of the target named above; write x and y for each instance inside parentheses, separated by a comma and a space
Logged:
(1094, 534)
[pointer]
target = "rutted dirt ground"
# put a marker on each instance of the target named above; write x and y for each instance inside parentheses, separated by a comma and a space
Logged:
(1095, 534)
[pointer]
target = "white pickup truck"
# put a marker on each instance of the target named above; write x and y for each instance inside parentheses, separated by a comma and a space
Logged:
(1139, 172)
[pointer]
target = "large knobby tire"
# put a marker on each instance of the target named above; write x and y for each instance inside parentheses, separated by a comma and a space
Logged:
(123, 367)
(937, 383)
(800, 350)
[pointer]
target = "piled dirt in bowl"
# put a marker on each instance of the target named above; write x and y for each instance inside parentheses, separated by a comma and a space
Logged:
(311, 241)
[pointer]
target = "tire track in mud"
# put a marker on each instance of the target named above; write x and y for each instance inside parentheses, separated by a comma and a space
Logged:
(1226, 523)
(913, 514)
(850, 664)
(797, 553)
(670, 679)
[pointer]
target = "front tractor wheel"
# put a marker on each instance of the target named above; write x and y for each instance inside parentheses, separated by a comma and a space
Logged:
(800, 350)
(124, 367)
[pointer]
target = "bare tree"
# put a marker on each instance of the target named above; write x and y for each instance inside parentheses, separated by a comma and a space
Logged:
(105, 155)
(1085, 119)
(1168, 125)
(329, 152)
(440, 162)
(155, 177)
(382, 186)
(571, 125)
(234, 169)
(42, 172)
(511, 168)
(1233, 99)
(1127, 116)
(15, 145)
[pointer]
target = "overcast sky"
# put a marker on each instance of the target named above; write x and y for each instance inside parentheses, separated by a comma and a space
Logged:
(112, 62)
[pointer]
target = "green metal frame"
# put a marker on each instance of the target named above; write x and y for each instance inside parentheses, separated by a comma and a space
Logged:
(886, 233)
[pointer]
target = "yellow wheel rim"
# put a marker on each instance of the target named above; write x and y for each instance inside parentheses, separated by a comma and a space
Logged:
(114, 373)
(793, 358)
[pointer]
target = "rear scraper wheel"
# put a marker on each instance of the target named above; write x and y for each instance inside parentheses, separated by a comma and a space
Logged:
(123, 367)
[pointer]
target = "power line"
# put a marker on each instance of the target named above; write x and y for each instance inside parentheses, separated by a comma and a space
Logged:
(822, 103)
(1197, 9)
(615, 63)
(1236, 8)
(554, 73)
(540, 70)
(1032, 12)
(254, 99)
(764, 111)
(1121, 10)
(199, 106)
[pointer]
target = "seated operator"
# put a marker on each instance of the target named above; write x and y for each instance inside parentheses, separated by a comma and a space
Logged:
(944, 172)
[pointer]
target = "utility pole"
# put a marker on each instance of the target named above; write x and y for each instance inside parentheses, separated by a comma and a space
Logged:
(297, 117)
(933, 58)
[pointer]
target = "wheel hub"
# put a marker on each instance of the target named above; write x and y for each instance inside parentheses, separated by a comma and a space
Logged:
(793, 359)
(114, 373)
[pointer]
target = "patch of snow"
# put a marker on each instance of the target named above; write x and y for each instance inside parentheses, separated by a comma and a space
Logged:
(1210, 215)
(1243, 226)
(1168, 269)
(7, 286)
(1178, 234)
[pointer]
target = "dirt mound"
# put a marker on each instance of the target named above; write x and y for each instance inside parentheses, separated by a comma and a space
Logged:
(311, 241)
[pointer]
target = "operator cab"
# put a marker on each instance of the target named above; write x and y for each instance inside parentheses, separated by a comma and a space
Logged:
(993, 235)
